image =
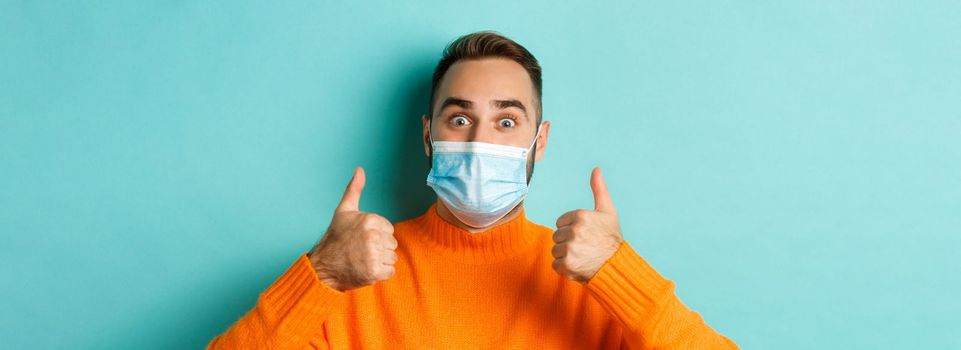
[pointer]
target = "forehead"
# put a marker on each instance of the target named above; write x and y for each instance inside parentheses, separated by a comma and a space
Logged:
(485, 79)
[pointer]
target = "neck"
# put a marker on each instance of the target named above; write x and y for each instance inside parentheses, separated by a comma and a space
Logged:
(445, 214)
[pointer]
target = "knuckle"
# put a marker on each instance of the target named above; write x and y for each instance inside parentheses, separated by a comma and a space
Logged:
(557, 251)
(560, 265)
(386, 272)
(378, 220)
(580, 214)
(368, 222)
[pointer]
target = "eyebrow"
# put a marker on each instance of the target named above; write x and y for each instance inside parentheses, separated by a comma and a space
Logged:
(467, 104)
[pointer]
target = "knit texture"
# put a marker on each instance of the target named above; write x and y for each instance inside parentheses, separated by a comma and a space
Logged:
(491, 290)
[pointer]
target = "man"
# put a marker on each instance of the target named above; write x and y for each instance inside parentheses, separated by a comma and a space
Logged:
(472, 272)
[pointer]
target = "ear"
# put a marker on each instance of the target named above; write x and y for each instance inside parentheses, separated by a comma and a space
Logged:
(542, 140)
(426, 137)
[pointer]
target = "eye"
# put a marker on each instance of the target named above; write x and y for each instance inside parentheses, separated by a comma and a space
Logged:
(508, 122)
(460, 120)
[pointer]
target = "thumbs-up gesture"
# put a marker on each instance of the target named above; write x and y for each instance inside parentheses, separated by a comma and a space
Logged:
(585, 239)
(358, 247)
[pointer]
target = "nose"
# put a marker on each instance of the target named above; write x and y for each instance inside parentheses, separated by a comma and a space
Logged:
(482, 132)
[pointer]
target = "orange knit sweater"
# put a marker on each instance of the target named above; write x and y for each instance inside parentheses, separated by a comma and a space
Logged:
(490, 290)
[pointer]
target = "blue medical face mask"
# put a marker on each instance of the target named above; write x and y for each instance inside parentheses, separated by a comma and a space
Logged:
(479, 182)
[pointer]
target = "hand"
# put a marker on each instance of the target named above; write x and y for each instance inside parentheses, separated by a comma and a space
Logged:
(358, 247)
(585, 239)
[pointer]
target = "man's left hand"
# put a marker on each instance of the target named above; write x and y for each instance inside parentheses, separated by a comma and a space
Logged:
(585, 239)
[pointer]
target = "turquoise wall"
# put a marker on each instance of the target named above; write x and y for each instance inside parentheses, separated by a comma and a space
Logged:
(795, 167)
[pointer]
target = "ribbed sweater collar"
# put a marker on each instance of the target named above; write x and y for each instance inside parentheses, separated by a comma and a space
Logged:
(500, 242)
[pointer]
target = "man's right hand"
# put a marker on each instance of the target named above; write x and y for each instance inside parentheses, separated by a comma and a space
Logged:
(358, 247)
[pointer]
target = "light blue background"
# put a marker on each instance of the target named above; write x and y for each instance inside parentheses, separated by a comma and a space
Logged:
(793, 166)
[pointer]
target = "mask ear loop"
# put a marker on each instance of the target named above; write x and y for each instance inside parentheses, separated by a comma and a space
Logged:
(538, 133)
(430, 125)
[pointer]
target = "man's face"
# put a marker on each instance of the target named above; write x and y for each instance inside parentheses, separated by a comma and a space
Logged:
(487, 100)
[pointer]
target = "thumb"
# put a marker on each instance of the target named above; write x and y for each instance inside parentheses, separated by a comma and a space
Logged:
(602, 199)
(351, 199)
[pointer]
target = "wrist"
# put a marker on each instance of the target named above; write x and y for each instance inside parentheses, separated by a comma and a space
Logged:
(321, 270)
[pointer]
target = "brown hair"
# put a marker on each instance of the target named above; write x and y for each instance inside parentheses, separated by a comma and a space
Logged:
(486, 44)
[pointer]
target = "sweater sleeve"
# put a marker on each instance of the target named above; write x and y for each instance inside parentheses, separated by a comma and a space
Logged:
(644, 303)
(290, 314)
